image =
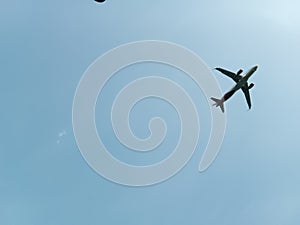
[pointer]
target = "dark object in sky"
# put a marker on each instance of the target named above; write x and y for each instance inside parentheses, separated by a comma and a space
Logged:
(241, 83)
(100, 1)
(239, 72)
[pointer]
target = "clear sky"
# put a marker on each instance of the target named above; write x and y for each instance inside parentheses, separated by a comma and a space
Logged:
(45, 48)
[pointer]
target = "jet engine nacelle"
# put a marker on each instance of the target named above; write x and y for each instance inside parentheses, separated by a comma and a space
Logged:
(239, 72)
(251, 86)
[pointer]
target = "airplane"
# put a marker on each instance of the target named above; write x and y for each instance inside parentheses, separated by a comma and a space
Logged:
(241, 83)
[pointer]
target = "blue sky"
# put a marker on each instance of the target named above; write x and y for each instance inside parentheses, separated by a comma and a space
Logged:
(47, 46)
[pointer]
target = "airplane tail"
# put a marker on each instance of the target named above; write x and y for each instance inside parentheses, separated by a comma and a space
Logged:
(218, 102)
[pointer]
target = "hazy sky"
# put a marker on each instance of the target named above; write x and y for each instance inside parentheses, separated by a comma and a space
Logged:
(47, 45)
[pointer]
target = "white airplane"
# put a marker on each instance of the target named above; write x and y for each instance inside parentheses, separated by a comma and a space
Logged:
(241, 83)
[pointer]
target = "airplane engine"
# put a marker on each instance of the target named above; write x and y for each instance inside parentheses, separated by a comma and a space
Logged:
(251, 85)
(239, 72)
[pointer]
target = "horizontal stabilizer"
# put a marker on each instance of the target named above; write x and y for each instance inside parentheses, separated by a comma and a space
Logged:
(218, 102)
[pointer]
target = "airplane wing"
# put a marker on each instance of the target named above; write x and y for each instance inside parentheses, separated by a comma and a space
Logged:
(230, 74)
(245, 89)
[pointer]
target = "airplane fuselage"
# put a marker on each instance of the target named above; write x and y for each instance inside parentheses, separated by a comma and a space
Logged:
(244, 79)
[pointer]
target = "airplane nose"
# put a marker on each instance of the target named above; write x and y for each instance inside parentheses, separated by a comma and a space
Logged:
(255, 67)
